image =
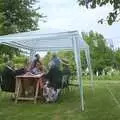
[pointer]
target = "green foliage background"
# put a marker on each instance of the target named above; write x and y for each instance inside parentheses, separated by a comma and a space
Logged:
(17, 16)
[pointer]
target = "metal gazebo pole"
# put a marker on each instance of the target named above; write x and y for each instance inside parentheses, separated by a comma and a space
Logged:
(90, 68)
(79, 70)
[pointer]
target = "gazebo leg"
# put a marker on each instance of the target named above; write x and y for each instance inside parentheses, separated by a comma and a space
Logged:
(18, 84)
(36, 92)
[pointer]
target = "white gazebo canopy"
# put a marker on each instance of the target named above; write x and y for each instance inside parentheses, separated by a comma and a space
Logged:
(46, 41)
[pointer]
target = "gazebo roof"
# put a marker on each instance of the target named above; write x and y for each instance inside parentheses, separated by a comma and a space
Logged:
(43, 41)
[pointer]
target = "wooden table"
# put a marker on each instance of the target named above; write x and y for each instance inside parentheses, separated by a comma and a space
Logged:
(20, 78)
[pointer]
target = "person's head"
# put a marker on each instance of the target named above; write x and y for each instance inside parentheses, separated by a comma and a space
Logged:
(54, 55)
(37, 56)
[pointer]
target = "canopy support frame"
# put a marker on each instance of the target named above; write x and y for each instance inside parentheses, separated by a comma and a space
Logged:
(79, 70)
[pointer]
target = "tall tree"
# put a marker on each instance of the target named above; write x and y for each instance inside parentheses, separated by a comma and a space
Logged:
(17, 16)
(113, 16)
(117, 59)
(101, 54)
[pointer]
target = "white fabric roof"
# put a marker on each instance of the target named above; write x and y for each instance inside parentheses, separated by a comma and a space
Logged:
(42, 41)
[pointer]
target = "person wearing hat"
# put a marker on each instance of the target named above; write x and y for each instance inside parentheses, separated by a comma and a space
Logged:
(65, 64)
(54, 78)
(34, 62)
(55, 62)
(64, 61)
(66, 72)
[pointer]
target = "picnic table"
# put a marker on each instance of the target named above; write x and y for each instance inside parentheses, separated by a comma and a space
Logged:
(38, 83)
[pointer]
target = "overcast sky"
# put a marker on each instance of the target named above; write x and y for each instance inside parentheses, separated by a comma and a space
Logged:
(68, 15)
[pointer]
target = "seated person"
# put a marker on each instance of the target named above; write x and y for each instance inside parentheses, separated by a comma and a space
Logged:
(52, 88)
(66, 68)
(66, 73)
(55, 62)
(29, 86)
(8, 77)
(38, 69)
(50, 94)
(54, 77)
(34, 62)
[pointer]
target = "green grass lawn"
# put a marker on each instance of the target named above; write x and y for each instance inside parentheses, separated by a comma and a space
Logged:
(101, 104)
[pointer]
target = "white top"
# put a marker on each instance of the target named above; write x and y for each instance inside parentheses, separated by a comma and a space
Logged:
(43, 41)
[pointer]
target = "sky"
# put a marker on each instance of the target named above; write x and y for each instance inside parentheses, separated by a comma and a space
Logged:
(68, 15)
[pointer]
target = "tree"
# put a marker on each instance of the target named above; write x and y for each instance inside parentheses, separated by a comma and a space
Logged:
(113, 16)
(17, 16)
(101, 54)
(117, 58)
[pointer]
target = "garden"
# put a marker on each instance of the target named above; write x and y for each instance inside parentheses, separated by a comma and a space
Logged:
(102, 99)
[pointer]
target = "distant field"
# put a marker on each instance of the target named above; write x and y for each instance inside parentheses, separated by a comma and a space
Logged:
(101, 104)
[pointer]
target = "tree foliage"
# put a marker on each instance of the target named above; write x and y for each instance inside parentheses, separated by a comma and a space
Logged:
(117, 59)
(17, 16)
(113, 16)
(101, 54)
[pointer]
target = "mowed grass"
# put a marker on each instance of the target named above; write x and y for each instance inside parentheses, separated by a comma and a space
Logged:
(100, 104)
